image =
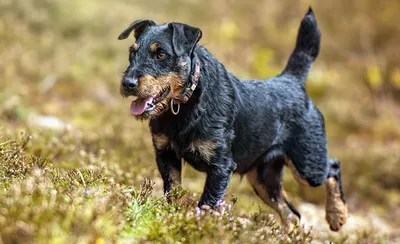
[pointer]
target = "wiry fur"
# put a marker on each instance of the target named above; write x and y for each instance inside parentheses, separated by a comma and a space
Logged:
(252, 127)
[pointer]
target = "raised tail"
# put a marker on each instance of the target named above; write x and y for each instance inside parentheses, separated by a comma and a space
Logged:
(307, 48)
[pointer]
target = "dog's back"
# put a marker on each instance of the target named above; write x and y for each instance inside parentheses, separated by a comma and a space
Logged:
(276, 109)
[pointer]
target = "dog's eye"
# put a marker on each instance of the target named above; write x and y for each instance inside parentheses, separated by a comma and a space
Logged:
(161, 55)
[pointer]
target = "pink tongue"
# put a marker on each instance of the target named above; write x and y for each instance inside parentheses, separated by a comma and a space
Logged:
(138, 106)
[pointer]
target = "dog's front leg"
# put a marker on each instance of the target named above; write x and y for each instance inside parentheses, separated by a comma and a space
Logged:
(170, 167)
(218, 177)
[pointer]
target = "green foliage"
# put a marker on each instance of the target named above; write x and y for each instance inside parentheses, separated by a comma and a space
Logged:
(75, 172)
(46, 204)
(41, 202)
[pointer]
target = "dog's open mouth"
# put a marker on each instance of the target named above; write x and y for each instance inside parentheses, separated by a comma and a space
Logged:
(148, 104)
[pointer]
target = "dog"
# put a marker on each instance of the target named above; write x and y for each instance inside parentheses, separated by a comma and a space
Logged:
(201, 113)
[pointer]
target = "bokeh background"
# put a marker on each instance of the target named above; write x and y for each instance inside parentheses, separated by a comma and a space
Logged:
(61, 64)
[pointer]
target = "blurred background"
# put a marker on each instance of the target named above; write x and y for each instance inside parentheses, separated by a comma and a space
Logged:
(61, 64)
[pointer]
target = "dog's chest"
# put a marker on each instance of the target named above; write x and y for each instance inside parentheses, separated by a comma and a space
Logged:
(191, 146)
(198, 153)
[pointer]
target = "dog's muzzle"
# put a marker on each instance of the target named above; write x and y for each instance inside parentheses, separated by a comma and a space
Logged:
(129, 84)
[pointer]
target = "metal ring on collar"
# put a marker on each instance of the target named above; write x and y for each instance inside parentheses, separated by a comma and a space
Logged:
(172, 107)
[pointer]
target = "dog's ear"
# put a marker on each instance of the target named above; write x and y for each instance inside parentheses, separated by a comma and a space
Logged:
(139, 26)
(184, 37)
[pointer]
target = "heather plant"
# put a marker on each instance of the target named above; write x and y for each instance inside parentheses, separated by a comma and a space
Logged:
(74, 164)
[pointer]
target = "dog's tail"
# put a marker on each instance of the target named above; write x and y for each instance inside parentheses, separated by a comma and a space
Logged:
(307, 48)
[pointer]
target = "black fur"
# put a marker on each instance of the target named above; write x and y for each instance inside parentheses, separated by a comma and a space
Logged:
(334, 171)
(184, 38)
(251, 122)
(138, 26)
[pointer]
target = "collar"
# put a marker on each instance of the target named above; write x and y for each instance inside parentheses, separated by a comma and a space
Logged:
(189, 87)
(192, 82)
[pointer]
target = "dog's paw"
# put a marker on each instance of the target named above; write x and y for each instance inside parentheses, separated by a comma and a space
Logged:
(336, 208)
(205, 207)
(187, 201)
(289, 220)
(337, 218)
(180, 196)
(336, 215)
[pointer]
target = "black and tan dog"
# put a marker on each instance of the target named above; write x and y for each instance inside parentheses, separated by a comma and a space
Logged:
(219, 124)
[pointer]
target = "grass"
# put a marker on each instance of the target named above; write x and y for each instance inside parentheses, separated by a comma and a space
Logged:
(44, 203)
(47, 204)
(75, 168)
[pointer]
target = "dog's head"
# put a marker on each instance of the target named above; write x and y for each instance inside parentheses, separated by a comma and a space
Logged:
(159, 65)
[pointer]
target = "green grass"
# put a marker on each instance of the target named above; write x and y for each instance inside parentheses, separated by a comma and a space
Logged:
(46, 204)
(82, 178)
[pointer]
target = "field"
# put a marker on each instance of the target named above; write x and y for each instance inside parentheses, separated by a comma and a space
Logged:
(75, 167)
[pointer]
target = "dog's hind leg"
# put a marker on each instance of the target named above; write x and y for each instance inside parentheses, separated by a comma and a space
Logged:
(308, 159)
(336, 208)
(266, 180)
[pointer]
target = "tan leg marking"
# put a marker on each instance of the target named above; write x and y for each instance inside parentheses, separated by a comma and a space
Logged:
(336, 209)
(288, 218)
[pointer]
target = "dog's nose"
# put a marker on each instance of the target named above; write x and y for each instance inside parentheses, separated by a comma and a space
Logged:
(129, 83)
